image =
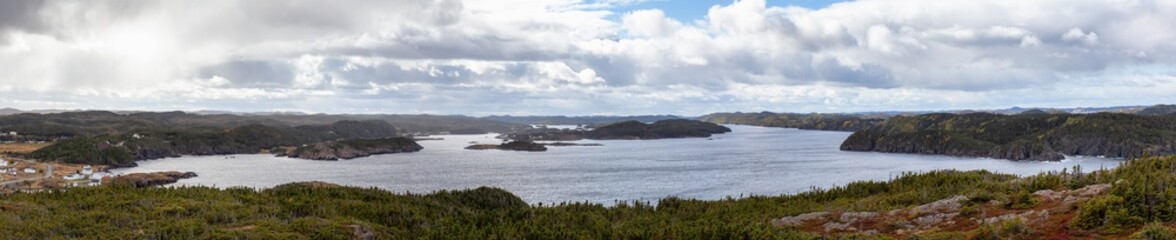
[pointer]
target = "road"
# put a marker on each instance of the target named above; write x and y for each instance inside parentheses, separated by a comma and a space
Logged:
(48, 174)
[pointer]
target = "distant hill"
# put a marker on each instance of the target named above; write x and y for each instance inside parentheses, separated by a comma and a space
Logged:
(1159, 110)
(577, 120)
(105, 122)
(811, 121)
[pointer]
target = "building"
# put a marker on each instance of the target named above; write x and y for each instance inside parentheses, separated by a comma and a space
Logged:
(74, 176)
(87, 170)
(30, 170)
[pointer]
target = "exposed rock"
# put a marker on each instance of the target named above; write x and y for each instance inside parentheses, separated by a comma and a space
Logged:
(929, 221)
(949, 205)
(362, 232)
(1031, 216)
(1050, 194)
(799, 219)
(853, 217)
(836, 226)
(1092, 190)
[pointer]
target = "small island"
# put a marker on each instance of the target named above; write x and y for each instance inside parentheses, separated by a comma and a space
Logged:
(626, 130)
(522, 145)
(349, 149)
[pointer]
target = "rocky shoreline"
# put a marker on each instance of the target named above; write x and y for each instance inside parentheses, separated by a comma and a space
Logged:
(140, 180)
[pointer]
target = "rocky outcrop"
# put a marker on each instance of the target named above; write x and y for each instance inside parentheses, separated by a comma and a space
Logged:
(526, 146)
(954, 213)
(149, 179)
(350, 149)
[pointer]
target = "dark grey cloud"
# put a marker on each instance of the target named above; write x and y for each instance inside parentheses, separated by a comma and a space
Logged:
(253, 73)
(20, 15)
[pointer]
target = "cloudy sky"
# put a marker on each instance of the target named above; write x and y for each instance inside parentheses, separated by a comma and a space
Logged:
(580, 57)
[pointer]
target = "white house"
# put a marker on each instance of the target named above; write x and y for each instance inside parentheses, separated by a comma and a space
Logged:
(30, 170)
(87, 170)
(74, 176)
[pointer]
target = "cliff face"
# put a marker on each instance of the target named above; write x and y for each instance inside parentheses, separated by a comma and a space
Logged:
(1045, 137)
(349, 149)
(674, 128)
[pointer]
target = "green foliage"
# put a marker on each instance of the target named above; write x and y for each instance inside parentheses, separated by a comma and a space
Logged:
(87, 150)
(317, 210)
(1008, 229)
(1145, 190)
(1021, 200)
(1154, 231)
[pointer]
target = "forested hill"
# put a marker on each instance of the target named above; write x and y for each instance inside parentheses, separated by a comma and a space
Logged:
(812, 121)
(1031, 136)
(627, 130)
(89, 123)
(122, 150)
(577, 120)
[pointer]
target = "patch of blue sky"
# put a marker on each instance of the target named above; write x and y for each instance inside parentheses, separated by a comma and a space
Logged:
(688, 11)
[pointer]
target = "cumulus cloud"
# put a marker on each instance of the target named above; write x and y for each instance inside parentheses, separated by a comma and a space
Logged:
(582, 56)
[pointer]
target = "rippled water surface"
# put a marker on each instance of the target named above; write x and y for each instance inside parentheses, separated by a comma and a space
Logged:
(750, 160)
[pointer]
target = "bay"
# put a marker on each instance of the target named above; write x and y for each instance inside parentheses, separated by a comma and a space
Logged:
(748, 161)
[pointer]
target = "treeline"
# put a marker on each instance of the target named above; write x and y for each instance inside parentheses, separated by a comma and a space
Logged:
(1141, 193)
(122, 150)
(1031, 136)
(578, 120)
(670, 128)
(91, 123)
(812, 121)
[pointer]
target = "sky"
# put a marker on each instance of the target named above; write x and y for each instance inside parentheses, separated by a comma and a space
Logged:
(584, 57)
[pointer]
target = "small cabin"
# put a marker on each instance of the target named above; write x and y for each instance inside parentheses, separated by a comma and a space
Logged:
(30, 170)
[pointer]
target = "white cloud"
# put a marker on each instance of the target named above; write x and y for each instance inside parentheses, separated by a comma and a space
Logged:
(578, 56)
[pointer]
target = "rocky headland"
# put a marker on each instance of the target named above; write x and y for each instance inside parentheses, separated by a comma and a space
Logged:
(149, 179)
(1042, 137)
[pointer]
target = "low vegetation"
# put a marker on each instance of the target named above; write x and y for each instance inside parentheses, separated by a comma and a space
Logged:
(1139, 193)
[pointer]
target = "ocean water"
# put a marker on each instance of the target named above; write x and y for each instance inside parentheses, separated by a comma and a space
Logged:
(748, 161)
